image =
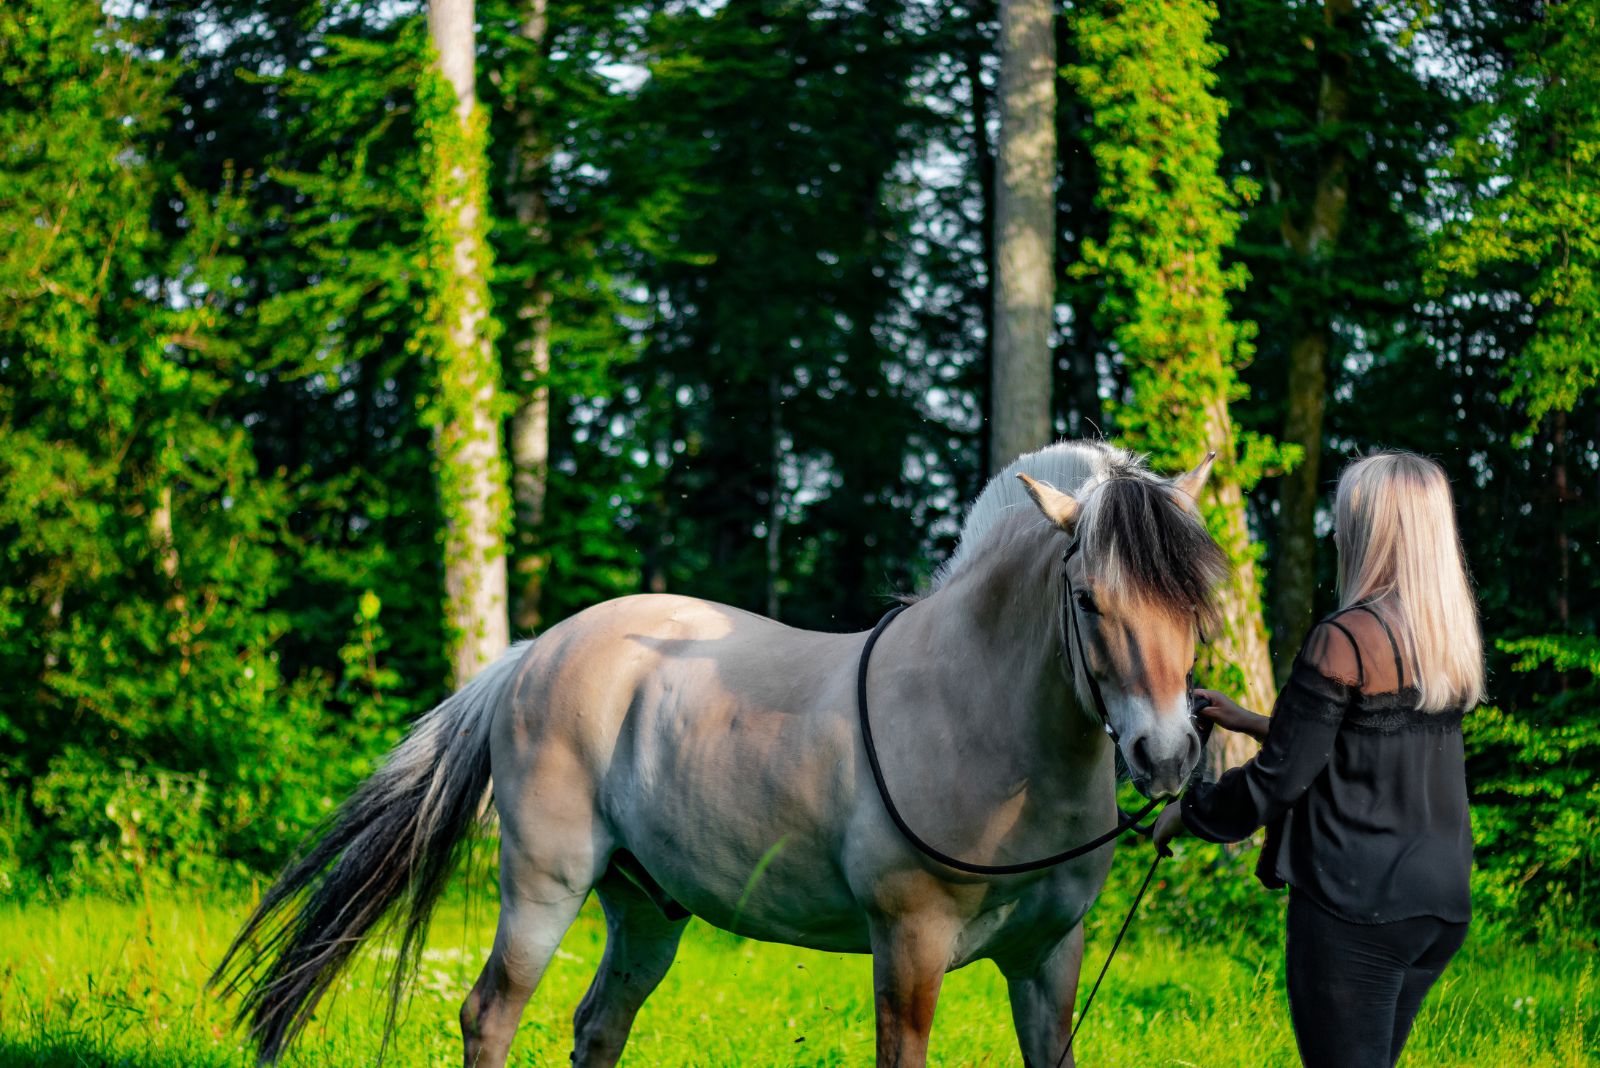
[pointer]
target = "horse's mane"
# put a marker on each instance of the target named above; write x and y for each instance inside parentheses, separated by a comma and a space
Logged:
(1134, 534)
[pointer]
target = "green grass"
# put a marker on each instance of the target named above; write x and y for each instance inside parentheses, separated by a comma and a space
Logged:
(93, 982)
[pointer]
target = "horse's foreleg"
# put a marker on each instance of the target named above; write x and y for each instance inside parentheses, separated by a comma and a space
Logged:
(1042, 997)
(540, 895)
(910, 955)
(640, 945)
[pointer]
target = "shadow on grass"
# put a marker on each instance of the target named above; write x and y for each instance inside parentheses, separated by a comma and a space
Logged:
(68, 1053)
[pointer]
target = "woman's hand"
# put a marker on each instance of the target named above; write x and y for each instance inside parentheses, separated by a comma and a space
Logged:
(1168, 826)
(1225, 712)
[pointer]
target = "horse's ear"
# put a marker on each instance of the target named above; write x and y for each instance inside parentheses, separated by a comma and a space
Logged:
(1194, 481)
(1060, 508)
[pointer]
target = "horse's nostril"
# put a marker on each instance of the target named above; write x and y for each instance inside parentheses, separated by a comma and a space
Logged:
(1194, 750)
(1141, 754)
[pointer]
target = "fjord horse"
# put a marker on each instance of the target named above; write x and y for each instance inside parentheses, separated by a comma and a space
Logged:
(678, 758)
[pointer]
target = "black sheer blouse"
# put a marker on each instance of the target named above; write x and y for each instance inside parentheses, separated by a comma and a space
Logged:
(1363, 794)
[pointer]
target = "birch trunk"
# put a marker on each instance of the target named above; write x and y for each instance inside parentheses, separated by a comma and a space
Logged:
(467, 437)
(1024, 227)
(1313, 242)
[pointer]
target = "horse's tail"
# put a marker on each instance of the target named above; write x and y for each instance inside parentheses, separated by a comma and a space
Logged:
(393, 843)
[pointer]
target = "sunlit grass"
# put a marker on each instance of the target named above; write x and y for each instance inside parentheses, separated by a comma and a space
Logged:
(92, 982)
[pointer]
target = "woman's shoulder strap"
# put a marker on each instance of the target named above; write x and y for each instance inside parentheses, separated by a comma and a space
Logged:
(1318, 652)
(1394, 646)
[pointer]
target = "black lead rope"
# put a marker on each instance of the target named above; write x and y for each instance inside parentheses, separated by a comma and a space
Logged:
(1124, 824)
(1126, 923)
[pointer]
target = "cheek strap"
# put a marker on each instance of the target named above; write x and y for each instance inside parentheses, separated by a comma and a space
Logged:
(1072, 639)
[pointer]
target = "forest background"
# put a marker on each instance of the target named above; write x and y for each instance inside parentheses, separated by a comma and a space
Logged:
(734, 335)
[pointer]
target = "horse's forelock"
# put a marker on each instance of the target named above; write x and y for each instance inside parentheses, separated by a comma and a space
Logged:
(1139, 542)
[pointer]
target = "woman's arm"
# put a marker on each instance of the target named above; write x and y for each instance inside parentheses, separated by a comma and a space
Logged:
(1298, 743)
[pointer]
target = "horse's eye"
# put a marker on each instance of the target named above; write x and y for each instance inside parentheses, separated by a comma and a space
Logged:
(1086, 603)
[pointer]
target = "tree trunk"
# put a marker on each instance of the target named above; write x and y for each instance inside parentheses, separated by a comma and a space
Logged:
(1313, 243)
(1024, 283)
(775, 511)
(530, 422)
(983, 153)
(165, 543)
(1295, 568)
(467, 437)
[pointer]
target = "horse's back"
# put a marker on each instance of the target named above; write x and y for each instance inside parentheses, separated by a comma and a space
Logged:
(645, 641)
(714, 744)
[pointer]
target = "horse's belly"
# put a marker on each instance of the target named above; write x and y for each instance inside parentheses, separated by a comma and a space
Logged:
(738, 810)
(790, 891)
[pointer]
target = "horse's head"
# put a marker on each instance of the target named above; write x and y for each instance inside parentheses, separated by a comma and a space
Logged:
(1137, 590)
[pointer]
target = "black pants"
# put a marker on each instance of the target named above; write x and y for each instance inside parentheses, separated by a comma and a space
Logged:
(1354, 988)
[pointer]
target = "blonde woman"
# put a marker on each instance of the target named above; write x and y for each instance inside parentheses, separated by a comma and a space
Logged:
(1360, 779)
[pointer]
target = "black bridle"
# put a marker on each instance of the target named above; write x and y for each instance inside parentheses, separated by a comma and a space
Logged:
(1071, 638)
(1125, 821)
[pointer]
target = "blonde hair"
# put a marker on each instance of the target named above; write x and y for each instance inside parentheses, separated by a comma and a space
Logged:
(1395, 530)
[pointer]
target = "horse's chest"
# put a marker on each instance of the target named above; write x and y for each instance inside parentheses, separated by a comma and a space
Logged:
(1039, 914)
(982, 932)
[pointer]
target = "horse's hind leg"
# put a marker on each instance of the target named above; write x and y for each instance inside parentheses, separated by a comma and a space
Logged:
(640, 944)
(540, 895)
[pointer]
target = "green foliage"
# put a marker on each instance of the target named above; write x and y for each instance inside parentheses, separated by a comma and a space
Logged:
(771, 230)
(1147, 78)
(223, 323)
(1521, 226)
(1362, 288)
(1529, 217)
(150, 729)
(1537, 790)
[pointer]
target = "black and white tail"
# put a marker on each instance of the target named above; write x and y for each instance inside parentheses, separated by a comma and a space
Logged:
(392, 845)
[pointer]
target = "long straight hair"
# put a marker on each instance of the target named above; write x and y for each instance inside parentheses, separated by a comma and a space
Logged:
(1395, 530)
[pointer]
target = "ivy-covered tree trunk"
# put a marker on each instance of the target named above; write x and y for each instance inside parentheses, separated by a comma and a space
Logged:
(1237, 658)
(467, 413)
(1312, 241)
(530, 420)
(1024, 232)
(1146, 74)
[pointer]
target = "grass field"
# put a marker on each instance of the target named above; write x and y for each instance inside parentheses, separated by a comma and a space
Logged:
(92, 982)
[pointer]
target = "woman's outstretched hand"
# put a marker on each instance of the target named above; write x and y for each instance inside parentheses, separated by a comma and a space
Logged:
(1168, 826)
(1225, 712)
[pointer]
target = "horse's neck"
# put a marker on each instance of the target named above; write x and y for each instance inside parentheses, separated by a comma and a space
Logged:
(999, 622)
